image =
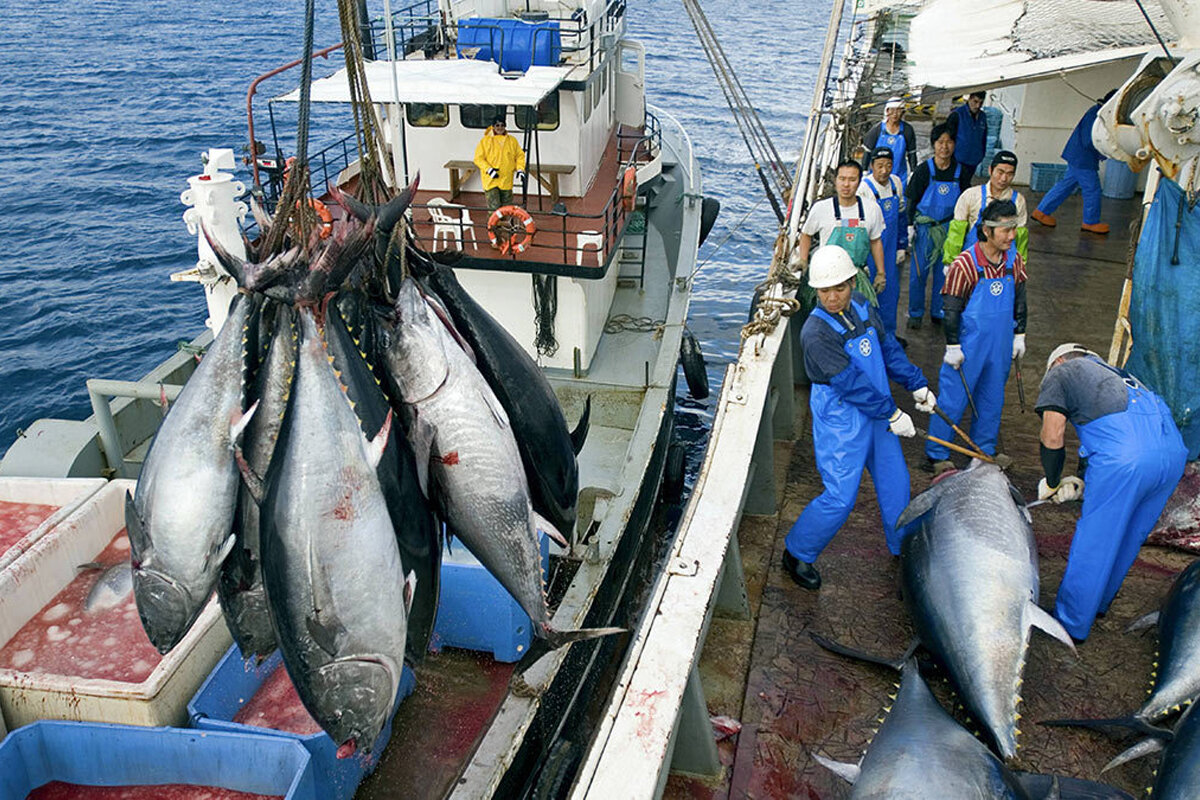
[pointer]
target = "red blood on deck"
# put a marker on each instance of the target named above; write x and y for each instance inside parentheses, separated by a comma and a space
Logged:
(57, 790)
(18, 519)
(63, 639)
(277, 706)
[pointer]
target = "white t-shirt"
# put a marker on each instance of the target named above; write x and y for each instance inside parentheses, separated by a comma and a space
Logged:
(822, 222)
(894, 187)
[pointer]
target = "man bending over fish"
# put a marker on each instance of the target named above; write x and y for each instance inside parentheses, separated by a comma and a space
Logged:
(849, 359)
(1135, 457)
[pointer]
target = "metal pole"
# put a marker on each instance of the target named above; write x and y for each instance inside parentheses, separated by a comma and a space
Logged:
(399, 146)
(99, 390)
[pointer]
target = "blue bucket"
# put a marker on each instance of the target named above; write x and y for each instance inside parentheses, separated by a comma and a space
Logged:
(99, 754)
(1120, 182)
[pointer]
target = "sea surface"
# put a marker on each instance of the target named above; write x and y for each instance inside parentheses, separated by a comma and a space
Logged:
(105, 107)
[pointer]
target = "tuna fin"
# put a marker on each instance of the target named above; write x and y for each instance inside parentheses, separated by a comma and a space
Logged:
(92, 565)
(239, 421)
(1143, 622)
(579, 435)
(1036, 616)
(410, 590)
(849, 652)
(1132, 723)
(923, 503)
(221, 554)
(253, 481)
(376, 446)
(1019, 499)
(547, 527)
(1142, 748)
(135, 528)
(324, 635)
(845, 771)
(489, 397)
(556, 639)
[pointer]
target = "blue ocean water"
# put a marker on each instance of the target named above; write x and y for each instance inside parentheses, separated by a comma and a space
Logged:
(107, 104)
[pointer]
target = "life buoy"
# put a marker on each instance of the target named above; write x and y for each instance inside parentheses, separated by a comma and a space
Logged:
(515, 237)
(323, 214)
(629, 189)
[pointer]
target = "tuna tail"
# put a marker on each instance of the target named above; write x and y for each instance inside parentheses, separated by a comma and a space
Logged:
(1142, 748)
(846, 771)
(1130, 722)
(860, 655)
(579, 435)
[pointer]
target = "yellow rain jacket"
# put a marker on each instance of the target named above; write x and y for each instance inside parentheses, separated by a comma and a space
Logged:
(502, 153)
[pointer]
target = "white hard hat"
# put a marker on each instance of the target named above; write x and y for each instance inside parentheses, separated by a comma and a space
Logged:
(1064, 349)
(829, 266)
(893, 102)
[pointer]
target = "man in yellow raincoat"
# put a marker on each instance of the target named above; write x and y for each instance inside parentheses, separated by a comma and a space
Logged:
(500, 160)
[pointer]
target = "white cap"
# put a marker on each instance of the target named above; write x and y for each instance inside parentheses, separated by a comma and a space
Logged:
(829, 266)
(1064, 349)
(893, 102)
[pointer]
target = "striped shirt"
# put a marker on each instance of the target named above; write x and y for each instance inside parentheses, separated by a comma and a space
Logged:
(961, 276)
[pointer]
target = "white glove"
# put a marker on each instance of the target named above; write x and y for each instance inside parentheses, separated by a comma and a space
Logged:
(519, 175)
(926, 400)
(954, 355)
(493, 173)
(900, 255)
(1018, 345)
(912, 233)
(901, 424)
(1070, 489)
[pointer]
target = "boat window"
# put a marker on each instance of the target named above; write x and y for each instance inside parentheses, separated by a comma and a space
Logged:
(604, 79)
(597, 89)
(480, 116)
(587, 100)
(547, 114)
(428, 115)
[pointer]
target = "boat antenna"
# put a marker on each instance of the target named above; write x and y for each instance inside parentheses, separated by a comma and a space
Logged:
(750, 125)
(1161, 43)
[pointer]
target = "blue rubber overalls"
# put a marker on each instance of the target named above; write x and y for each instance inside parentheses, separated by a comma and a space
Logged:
(890, 296)
(1135, 459)
(936, 204)
(895, 142)
(986, 336)
(845, 440)
(972, 236)
(1083, 164)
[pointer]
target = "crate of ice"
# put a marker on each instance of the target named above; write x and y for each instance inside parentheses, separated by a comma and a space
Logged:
(71, 643)
(31, 506)
(55, 759)
(242, 697)
(476, 613)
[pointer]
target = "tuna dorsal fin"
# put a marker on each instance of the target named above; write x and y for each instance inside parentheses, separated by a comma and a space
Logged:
(1142, 748)
(138, 540)
(1143, 622)
(1036, 616)
(923, 503)
(579, 435)
(845, 771)
(376, 446)
(547, 527)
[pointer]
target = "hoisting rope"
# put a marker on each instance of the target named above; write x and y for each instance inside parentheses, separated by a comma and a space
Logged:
(374, 174)
(750, 125)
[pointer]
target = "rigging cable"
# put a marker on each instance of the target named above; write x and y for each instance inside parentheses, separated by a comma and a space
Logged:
(1154, 30)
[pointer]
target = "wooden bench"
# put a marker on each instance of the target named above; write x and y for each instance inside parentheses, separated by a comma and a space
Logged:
(545, 174)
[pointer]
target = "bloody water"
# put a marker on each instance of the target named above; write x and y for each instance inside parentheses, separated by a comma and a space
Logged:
(18, 519)
(57, 790)
(64, 639)
(277, 706)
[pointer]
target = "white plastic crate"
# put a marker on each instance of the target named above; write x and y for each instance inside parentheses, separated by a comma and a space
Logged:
(66, 493)
(46, 569)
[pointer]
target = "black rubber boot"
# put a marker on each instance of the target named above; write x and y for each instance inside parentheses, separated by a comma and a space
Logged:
(804, 574)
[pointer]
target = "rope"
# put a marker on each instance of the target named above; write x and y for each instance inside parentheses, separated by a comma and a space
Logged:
(545, 304)
(624, 322)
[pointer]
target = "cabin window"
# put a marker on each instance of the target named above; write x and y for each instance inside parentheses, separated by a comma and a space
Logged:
(597, 89)
(480, 116)
(604, 79)
(588, 90)
(547, 114)
(428, 115)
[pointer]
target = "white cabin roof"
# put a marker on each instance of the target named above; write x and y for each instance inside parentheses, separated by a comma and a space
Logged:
(457, 82)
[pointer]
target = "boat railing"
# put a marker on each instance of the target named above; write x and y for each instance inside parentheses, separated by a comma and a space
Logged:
(657, 720)
(635, 146)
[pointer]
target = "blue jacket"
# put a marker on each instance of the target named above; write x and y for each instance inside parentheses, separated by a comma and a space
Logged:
(970, 135)
(1079, 151)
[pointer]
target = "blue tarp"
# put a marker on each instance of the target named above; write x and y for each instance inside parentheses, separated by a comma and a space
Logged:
(1165, 308)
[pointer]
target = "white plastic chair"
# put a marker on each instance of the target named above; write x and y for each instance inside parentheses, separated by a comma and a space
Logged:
(589, 239)
(448, 226)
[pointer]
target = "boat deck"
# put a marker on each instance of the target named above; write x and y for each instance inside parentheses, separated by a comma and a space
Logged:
(793, 698)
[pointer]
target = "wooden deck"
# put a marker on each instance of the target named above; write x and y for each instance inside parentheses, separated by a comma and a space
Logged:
(793, 698)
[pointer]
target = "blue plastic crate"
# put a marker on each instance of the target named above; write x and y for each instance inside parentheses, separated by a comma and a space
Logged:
(1042, 176)
(99, 754)
(476, 613)
(514, 44)
(234, 682)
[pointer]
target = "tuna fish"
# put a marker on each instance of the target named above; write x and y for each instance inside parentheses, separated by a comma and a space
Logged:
(1177, 681)
(461, 434)
(180, 518)
(240, 588)
(1178, 773)
(113, 584)
(336, 588)
(970, 582)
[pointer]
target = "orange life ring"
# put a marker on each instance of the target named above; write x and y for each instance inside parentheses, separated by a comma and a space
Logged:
(323, 214)
(629, 189)
(519, 238)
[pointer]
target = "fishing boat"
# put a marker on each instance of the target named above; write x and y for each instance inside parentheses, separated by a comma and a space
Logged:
(722, 693)
(595, 285)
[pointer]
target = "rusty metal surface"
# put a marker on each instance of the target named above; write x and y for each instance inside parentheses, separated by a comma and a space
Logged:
(799, 699)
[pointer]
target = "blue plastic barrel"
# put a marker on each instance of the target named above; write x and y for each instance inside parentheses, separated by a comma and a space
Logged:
(514, 44)
(99, 754)
(1120, 182)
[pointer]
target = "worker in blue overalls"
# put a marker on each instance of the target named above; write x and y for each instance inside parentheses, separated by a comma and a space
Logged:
(985, 332)
(888, 192)
(849, 360)
(1083, 173)
(1134, 457)
(932, 193)
(895, 134)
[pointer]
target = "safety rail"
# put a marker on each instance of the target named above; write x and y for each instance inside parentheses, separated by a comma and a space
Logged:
(657, 719)
(331, 165)
(639, 146)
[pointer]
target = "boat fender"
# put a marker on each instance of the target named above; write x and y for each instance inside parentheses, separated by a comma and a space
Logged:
(673, 473)
(522, 234)
(710, 207)
(629, 185)
(693, 366)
